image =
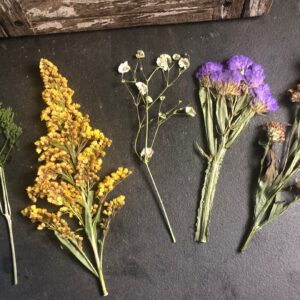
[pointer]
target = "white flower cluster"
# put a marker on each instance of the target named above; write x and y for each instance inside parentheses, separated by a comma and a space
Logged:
(163, 62)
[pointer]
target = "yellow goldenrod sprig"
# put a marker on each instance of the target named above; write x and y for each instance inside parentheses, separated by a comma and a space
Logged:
(71, 157)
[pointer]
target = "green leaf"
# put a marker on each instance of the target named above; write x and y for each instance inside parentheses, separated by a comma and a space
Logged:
(241, 103)
(293, 148)
(238, 126)
(279, 207)
(77, 253)
(207, 109)
(261, 198)
(222, 113)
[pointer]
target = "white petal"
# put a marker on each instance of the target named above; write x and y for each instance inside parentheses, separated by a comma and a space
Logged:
(189, 110)
(124, 67)
(147, 152)
(140, 54)
(176, 56)
(149, 99)
(183, 63)
(142, 87)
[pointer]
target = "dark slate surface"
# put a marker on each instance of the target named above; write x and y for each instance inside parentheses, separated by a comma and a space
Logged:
(140, 261)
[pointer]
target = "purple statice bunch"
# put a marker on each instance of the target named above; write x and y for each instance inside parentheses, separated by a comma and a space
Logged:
(230, 95)
(239, 75)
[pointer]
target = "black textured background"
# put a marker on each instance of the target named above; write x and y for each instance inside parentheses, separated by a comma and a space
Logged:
(140, 261)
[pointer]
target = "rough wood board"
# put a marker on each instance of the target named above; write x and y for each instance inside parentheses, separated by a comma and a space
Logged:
(30, 17)
(2, 32)
(13, 19)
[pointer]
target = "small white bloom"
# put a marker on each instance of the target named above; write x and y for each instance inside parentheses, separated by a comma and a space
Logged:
(142, 87)
(124, 67)
(162, 115)
(176, 56)
(140, 54)
(189, 110)
(162, 98)
(147, 152)
(183, 63)
(163, 61)
(149, 99)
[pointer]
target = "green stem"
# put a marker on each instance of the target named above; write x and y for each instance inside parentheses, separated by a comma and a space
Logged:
(165, 215)
(251, 234)
(207, 195)
(7, 214)
(101, 265)
(91, 231)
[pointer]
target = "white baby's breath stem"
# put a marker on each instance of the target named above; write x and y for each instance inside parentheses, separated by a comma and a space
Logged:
(161, 205)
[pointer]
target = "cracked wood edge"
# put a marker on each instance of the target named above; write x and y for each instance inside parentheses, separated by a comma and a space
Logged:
(13, 19)
(255, 8)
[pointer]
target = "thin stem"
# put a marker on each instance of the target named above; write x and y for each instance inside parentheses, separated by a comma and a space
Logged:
(6, 141)
(101, 262)
(147, 131)
(99, 265)
(251, 234)
(6, 211)
(90, 228)
(161, 204)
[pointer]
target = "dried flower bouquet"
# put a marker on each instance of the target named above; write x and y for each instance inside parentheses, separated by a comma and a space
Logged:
(230, 96)
(71, 155)
(151, 106)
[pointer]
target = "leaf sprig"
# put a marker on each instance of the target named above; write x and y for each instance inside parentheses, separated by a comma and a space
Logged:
(10, 133)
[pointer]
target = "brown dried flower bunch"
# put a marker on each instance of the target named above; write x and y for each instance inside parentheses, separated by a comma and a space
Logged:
(71, 155)
(278, 183)
(295, 94)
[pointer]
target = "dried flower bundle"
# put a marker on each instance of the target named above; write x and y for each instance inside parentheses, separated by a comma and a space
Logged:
(278, 185)
(10, 133)
(230, 95)
(151, 106)
(71, 155)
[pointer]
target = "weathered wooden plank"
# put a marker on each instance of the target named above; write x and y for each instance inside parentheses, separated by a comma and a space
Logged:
(127, 20)
(254, 8)
(13, 19)
(26, 17)
(2, 32)
(228, 9)
(38, 10)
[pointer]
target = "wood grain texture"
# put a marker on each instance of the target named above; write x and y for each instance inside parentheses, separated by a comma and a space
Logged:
(2, 32)
(26, 17)
(13, 19)
(254, 8)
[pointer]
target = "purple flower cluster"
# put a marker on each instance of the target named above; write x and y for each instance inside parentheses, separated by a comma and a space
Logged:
(241, 69)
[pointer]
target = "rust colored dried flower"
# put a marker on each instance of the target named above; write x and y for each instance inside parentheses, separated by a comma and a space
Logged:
(295, 94)
(71, 155)
(275, 131)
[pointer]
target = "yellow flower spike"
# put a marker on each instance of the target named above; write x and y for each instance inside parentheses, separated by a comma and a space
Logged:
(71, 155)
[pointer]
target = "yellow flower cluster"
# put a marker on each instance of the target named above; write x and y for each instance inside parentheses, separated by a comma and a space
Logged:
(71, 154)
(51, 221)
(110, 181)
(110, 209)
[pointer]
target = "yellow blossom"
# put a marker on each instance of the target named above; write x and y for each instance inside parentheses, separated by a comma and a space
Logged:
(71, 156)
